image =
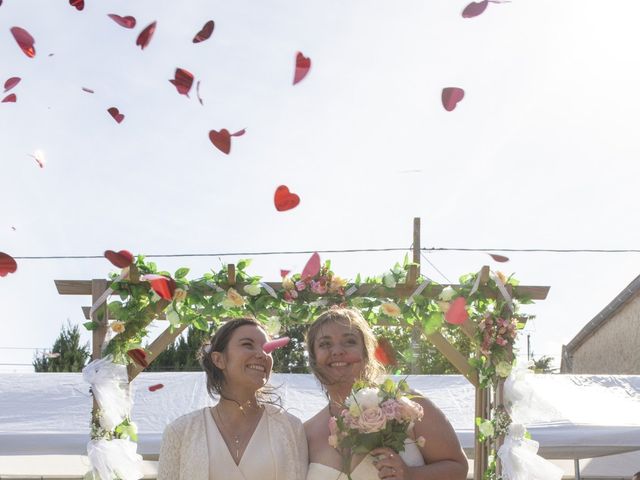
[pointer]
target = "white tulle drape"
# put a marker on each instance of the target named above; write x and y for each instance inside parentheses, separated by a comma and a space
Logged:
(115, 458)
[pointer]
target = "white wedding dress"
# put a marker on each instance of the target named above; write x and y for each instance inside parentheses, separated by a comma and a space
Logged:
(365, 470)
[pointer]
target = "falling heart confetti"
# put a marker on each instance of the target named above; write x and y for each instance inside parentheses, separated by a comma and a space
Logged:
(139, 356)
(25, 41)
(499, 258)
(10, 83)
(312, 268)
(121, 259)
(7, 264)
(145, 36)
(284, 199)
(38, 156)
(270, 346)
(303, 64)
(457, 313)
(198, 92)
(284, 273)
(88, 90)
(222, 139)
(474, 9)
(79, 4)
(163, 286)
(11, 98)
(126, 22)
(157, 386)
(450, 97)
(205, 33)
(183, 81)
(385, 353)
(115, 113)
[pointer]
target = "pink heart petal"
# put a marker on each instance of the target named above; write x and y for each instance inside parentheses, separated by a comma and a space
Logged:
(126, 22)
(450, 97)
(205, 33)
(121, 259)
(25, 41)
(115, 113)
(145, 36)
(10, 83)
(284, 273)
(312, 268)
(157, 386)
(11, 98)
(499, 258)
(183, 80)
(474, 9)
(457, 313)
(303, 64)
(269, 347)
(7, 264)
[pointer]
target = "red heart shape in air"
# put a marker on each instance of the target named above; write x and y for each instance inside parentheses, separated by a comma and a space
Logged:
(11, 98)
(79, 4)
(303, 64)
(121, 259)
(385, 353)
(183, 81)
(205, 33)
(221, 140)
(25, 41)
(269, 347)
(7, 264)
(157, 386)
(139, 356)
(457, 313)
(499, 258)
(145, 36)
(126, 22)
(450, 97)
(115, 113)
(163, 286)
(284, 199)
(474, 9)
(10, 83)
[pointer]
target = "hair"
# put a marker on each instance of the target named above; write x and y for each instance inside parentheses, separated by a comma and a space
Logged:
(218, 343)
(636, 476)
(350, 317)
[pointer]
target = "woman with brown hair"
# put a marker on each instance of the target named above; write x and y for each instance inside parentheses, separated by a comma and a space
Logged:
(245, 436)
(341, 348)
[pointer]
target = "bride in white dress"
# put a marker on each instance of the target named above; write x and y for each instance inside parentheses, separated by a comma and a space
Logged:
(341, 349)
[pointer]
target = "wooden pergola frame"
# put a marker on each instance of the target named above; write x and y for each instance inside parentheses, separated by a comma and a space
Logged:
(483, 396)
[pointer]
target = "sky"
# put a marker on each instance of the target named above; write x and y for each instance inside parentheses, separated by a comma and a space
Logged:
(540, 153)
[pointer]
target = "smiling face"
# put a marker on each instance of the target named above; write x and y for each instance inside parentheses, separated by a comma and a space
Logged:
(243, 362)
(339, 352)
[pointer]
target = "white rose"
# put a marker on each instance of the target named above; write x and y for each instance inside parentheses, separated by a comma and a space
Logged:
(367, 398)
(486, 428)
(503, 369)
(447, 294)
(172, 315)
(389, 281)
(253, 289)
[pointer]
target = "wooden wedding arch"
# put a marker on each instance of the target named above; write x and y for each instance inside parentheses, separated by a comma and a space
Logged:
(488, 399)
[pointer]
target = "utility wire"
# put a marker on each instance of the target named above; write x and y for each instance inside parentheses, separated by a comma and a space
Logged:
(349, 250)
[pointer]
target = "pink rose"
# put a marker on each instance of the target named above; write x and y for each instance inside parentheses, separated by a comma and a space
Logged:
(392, 410)
(411, 411)
(300, 285)
(319, 288)
(290, 295)
(371, 420)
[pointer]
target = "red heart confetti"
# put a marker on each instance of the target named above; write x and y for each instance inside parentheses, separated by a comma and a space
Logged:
(284, 199)
(499, 258)
(457, 313)
(205, 33)
(303, 64)
(10, 83)
(139, 356)
(222, 139)
(385, 353)
(312, 268)
(121, 259)
(79, 4)
(198, 92)
(12, 227)
(115, 113)
(38, 156)
(7, 264)
(450, 97)
(284, 273)
(270, 346)
(163, 286)
(126, 22)
(11, 98)
(25, 41)
(88, 90)
(145, 36)
(157, 386)
(474, 9)
(183, 81)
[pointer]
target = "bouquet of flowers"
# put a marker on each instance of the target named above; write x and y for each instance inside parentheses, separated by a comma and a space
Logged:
(374, 416)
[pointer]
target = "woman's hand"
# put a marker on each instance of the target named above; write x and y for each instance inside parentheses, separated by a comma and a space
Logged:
(389, 464)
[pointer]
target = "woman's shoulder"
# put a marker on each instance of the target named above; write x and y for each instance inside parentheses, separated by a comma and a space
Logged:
(187, 420)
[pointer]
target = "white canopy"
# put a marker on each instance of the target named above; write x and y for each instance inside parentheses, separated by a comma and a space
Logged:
(48, 413)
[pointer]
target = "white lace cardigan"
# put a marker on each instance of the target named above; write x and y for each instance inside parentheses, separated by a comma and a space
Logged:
(184, 453)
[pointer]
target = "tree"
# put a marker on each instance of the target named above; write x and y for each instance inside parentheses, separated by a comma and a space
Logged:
(182, 355)
(67, 355)
(543, 364)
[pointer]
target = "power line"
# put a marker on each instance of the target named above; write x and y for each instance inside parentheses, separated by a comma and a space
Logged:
(348, 250)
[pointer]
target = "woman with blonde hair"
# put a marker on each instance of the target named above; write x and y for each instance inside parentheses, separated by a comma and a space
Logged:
(245, 436)
(341, 348)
